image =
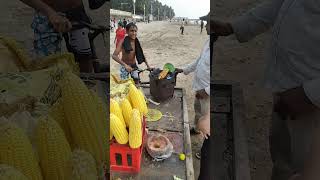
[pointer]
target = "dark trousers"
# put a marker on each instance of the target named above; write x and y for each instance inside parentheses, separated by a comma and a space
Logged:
(206, 161)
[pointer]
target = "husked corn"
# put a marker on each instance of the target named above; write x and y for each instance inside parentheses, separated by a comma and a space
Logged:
(16, 151)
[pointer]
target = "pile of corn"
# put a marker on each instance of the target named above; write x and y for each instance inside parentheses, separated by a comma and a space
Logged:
(70, 141)
(126, 114)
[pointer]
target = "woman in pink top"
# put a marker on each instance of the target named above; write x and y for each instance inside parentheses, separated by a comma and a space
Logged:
(120, 34)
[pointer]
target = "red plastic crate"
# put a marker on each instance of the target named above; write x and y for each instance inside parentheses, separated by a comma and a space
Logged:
(125, 153)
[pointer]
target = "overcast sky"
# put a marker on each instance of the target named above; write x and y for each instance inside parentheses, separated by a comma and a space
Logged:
(192, 9)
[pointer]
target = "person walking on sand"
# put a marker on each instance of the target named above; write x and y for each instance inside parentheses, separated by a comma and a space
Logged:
(124, 22)
(120, 34)
(201, 83)
(131, 54)
(292, 75)
(182, 26)
(201, 26)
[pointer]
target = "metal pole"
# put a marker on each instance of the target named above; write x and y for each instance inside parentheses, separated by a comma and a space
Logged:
(144, 12)
(158, 15)
(151, 10)
(134, 7)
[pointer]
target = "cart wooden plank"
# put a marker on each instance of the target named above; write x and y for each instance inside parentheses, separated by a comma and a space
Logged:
(177, 130)
(230, 159)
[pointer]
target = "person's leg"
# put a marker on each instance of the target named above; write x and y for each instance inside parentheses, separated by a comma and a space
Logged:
(301, 131)
(205, 161)
(279, 141)
(197, 113)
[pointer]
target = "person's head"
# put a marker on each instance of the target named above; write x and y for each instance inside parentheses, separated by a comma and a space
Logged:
(124, 19)
(131, 30)
(120, 25)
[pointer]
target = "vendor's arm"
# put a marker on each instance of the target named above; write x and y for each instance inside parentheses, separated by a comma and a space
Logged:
(190, 67)
(60, 23)
(115, 56)
(253, 23)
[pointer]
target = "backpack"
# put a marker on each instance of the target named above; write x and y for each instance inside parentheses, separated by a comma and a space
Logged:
(95, 4)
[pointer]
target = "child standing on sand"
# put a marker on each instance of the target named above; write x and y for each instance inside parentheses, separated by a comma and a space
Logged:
(131, 54)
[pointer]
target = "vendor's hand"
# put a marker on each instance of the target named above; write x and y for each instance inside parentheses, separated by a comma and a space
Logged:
(204, 126)
(128, 68)
(179, 70)
(221, 28)
(293, 102)
(59, 23)
(201, 94)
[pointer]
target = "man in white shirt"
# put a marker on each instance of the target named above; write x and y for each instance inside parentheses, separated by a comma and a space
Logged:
(201, 82)
(292, 74)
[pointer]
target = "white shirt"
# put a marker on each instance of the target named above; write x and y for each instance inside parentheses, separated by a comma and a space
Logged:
(294, 55)
(201, 69)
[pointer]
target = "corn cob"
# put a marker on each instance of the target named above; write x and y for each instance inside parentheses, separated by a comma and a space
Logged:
(83, 117)
(163, 73)
(126, 111)
(144, 104)
(10, 173)
(57, 113)
(135, 130)
(137, 101)
(54, 150)
(16, 151)
(118, 129)
(83, 166)
(116, 110)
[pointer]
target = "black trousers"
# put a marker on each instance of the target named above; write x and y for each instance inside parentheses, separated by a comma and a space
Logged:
(206, 161)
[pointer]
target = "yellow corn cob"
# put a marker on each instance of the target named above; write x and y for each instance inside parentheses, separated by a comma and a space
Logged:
(137, 101)
(10, 173)
(83, 166)
(126, 110)
(118, 129)
(135, 130)
(83, 117)
(163, 73)
(54, 150)
(144, 104)
(57, 113)
(116, 110)
(16, 151)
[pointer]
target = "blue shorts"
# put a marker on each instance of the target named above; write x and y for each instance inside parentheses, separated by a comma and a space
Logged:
(47, 41)
(124, 74)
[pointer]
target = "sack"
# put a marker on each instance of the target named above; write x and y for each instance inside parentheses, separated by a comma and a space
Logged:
(95, 4)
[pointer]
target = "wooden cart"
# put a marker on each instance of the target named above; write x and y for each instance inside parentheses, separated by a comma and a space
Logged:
(175, 125)
(230, 160)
